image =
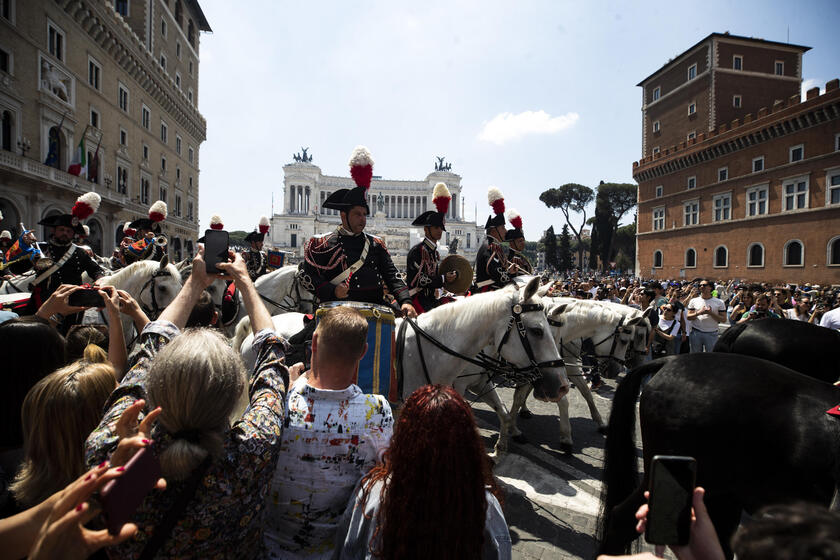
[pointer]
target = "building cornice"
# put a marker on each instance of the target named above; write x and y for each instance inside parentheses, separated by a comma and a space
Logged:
(115, 37)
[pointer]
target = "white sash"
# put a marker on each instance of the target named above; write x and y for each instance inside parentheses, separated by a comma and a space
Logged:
(49, 272)
(353, 267)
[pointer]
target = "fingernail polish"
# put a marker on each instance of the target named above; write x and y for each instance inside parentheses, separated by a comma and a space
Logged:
(88, 477)
(120, 469)
(102, 464)
(146, 441)
(80, 506)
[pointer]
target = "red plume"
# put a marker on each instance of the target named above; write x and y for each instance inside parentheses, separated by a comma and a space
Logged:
(441, 198)
(515, 219)
(361, 166)
(264, 223)
(86, 205)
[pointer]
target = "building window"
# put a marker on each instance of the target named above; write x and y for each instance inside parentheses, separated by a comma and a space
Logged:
(468, 240)
(123, 137)
(795, 194)
(191, 32)
(755, 255)
(144, 190)
(178, 205)
(6, 9)
(692, 135)
(163, 163)
(797, 152)
(656, 126)
(659, 191)
(692, 71)
(145, 152)
(658, 219)
(758, 164)
(780, 68)
(178, 80)
(94, 73)
(736, 101)
(691, 182)
(191, 67)
(190, 154)
(94, 118)
(5, 60)
(723, 174)
(190, 95)
(163, 27)
(121, 7)
(738, 62)
(834, 252)
(656, 92)
(122, 179)
(721, 257)
(794, 253)
(837, 142)
(164, 132)
(691, 213)
(833, 192)
(163, 61)
(178, 144)
(177, 173)
(178, 49)
(757, 201)
(145, 117)
(656, 149)
(123, 98)
(190, 180)
(55, 41)
(723, 206)
(189, 210)
(293, 240)
(692, 108)
(657, 259)
(162, 191)
(690, 258)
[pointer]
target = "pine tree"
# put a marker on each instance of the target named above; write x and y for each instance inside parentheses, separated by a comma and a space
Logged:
(564, 252)
(550, 241)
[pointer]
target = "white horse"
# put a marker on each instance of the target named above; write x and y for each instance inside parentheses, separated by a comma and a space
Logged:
(570, 320)
(465, 327)
(281, 292)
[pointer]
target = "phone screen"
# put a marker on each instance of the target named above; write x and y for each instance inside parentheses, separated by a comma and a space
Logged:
(86, 298)
(671, 489)
(215, 249)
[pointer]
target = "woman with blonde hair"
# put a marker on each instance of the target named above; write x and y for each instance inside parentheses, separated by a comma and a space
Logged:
(58, 414)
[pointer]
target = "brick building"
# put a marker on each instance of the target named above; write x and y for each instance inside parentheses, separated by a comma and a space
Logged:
(747, 184)
(121, 74)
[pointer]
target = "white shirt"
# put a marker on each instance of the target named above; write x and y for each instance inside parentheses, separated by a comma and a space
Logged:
(831, 319)
(706, 323)
(671, 328)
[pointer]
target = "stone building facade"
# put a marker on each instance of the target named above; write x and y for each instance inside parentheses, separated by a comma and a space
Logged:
(123, 75)
(393, 204)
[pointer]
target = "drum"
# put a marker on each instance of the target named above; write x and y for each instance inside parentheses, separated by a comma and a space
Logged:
(377, 373)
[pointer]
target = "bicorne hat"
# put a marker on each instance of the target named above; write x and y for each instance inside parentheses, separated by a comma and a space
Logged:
(215, 223)
(259, 233)
(84, 208)
(497, 203)
(361, 169)
(440, 197)
(157, 214)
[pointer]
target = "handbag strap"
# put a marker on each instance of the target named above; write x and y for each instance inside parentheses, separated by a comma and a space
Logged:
(164, 529)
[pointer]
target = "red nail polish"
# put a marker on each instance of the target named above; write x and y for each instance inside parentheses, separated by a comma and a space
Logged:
(146, 441)
(88, 477)
(120, 469)
(102, 464)
(80, 506)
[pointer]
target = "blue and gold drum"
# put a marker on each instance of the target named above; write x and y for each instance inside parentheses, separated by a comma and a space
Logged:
(376, 370)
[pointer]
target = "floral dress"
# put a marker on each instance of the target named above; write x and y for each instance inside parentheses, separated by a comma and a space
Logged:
(223, 519)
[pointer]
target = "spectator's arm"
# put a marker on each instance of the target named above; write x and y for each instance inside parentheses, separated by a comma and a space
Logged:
(179, 310)
(116, 341)
(238, 271)
(130, 307)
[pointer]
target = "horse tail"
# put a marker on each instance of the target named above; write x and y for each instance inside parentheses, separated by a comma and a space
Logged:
(726, 341)
(243, 329)
(620, 476)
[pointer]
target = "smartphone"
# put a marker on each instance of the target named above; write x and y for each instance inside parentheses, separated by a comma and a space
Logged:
(671, 488)
(86, 298)
(216, 243)
(121, 497)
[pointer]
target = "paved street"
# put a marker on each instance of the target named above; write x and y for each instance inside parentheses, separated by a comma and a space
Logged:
(551, 499)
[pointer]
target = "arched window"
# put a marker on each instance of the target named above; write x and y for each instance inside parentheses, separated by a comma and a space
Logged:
(7, 131)
(176, 248)
(755, 255)
(55, 149)
(11, 218)
(657, 259)
(690, 258)
(794, 253)
(94, 240)
(721, 257)
(834, 252)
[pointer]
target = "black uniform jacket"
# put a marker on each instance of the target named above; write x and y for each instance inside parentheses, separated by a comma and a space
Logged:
(423, 276)
(521, 261)
(70, 272)
(491, 266)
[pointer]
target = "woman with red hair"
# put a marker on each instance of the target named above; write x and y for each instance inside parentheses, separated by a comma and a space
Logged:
(434, 496)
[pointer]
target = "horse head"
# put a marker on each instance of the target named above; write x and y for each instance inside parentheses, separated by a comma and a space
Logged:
(161, 286)
(535, 346)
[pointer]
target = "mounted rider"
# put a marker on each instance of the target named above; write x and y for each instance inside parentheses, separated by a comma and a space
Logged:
(491, 262)
(348, 264)
(149, 243)
(423, 276)
(59, 261)
(255, 258)
(519, 263)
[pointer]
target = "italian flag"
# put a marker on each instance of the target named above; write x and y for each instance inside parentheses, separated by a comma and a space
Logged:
(79, 164)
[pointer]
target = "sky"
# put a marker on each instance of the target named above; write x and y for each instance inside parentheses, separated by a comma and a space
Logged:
(523, 96)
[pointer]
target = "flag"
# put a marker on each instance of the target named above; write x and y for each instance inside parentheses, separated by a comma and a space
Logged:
(54, 144)
(19, 251)
(93, 168)
(79, 163)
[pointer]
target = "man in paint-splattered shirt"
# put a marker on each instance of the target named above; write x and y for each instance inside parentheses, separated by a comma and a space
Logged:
(332, 435)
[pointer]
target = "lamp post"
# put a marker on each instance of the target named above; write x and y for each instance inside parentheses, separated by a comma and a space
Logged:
(24, 145)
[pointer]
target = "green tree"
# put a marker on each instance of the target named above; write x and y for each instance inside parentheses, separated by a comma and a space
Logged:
(613, 201)
(564, 252)
(625, 246)
(530, 250)
(570, 198)
(550, 241)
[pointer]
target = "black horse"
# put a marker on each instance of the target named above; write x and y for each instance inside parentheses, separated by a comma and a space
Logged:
(758, 430)
(803, 347)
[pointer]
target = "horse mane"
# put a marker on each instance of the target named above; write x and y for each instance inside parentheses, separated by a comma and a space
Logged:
(468, 312)
(590, 309)
(142, 267)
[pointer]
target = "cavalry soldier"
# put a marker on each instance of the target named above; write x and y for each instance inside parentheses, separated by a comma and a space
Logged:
(519, 263)
(59, 261)
(491, 263)
(348, 264)
(148, 244)
(423, 259)
(255, 258)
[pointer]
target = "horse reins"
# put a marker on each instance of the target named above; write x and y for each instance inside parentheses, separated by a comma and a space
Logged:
(155, 311)
(613, 335)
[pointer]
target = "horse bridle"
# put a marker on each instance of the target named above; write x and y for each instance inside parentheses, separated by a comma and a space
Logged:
(155, 311)
(613, 335)
(532, 370)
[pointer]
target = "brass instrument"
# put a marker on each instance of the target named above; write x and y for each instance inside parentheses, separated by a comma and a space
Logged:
(465, 273)
(161, 241)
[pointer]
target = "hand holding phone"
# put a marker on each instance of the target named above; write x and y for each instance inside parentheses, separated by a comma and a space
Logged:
(671, 488)
(121, 497)
(216, 244)
(88, 297)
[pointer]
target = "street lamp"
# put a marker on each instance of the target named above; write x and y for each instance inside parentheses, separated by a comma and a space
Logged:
(24, 145)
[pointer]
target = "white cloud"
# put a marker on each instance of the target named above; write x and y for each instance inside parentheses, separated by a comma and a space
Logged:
(507, 126)
(811, 83)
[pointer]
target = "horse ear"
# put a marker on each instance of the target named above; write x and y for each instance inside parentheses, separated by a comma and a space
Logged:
(560, 309)
(543, 290)
(531, 288)
(164, 262)
(634, 321)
